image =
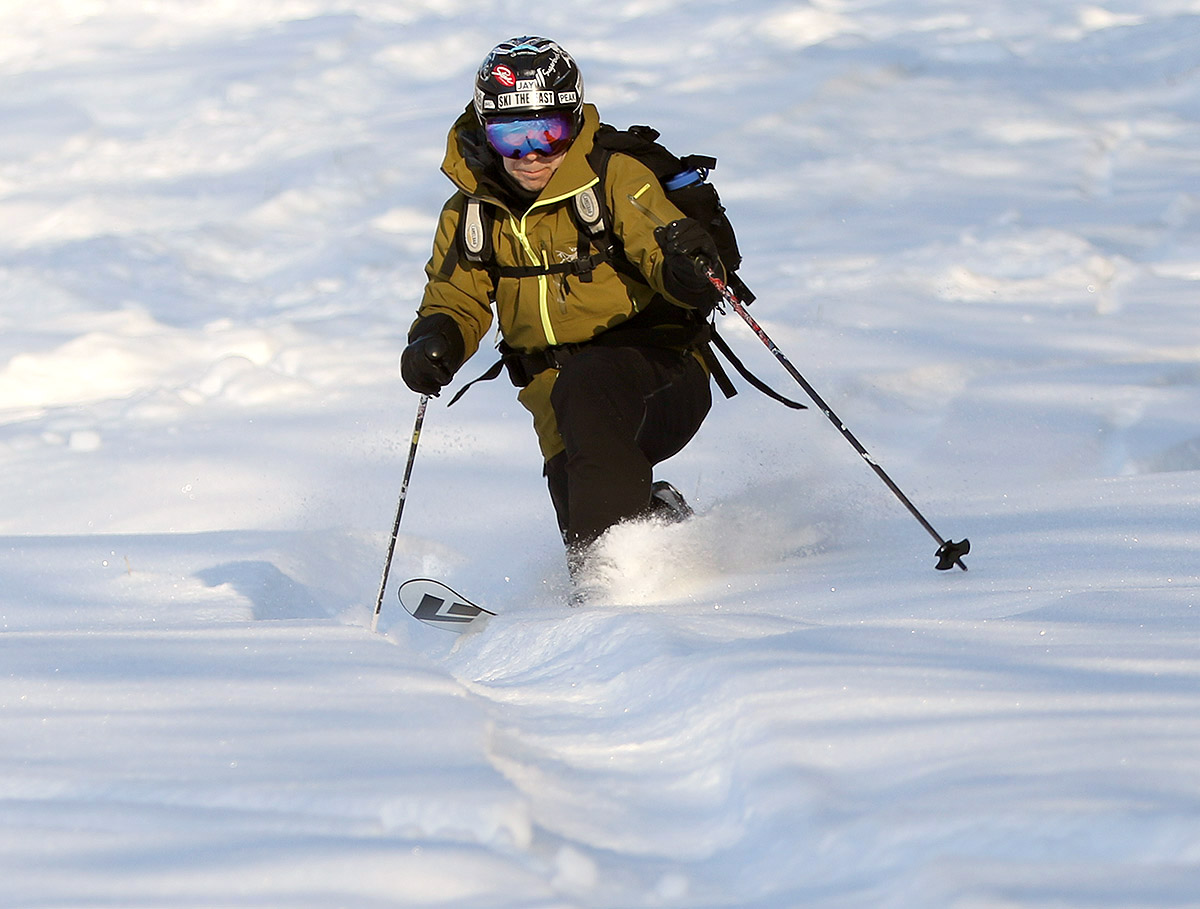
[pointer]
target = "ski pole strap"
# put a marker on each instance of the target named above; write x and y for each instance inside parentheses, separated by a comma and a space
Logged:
(493, 371)
(750, 377)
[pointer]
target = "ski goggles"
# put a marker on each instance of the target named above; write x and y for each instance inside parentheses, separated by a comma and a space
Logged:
(517, 136)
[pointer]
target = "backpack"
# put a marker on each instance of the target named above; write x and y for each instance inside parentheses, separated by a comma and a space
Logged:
(685, 182)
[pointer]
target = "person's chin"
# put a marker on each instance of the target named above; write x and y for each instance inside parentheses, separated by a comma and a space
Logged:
(533, 183)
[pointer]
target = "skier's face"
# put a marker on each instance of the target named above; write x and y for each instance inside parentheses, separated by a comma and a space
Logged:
(533, 171)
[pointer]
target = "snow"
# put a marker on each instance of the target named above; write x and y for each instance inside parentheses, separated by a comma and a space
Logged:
(974, 227)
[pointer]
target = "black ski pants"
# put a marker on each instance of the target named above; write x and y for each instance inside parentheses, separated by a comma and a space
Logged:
(620, 411)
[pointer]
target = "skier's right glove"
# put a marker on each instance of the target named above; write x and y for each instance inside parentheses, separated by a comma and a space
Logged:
(434, 353)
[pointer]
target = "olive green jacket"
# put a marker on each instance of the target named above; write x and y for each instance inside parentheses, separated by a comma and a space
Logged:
(545, 310)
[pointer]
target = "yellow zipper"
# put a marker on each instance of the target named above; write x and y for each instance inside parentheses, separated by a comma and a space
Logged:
(543, 260)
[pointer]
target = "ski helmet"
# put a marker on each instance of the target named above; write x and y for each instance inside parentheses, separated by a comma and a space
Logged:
(527, 74)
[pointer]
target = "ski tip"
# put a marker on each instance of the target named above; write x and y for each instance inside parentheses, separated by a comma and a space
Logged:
(436, 604)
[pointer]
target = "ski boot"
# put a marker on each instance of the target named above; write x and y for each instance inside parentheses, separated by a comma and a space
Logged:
(667, 503)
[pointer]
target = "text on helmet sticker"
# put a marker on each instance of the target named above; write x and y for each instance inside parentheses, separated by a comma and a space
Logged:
(524, 99)
(504, 75)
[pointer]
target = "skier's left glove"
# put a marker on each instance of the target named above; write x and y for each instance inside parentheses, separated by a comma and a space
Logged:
(435, 351)
(689, 253)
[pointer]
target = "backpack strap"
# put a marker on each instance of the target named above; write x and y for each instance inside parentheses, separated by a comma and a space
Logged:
(523, 367)
(590, 211)
(716, 370)
(473, 240)
(591, 217)
(475, 232)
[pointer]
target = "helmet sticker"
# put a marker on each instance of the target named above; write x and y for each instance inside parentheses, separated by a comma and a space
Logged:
(505, 76)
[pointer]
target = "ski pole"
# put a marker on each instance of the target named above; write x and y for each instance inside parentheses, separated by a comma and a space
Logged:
(412, 456)
(949, 553)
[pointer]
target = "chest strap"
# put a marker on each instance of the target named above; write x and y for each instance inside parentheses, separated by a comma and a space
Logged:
(475, 242)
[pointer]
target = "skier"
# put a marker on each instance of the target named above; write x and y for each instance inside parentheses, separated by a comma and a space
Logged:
(602, 338)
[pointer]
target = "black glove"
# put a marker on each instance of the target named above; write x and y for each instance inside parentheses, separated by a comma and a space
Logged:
(434, 353)
(690, 252)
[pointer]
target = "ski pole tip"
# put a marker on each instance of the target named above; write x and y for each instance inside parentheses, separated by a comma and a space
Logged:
(950, 554)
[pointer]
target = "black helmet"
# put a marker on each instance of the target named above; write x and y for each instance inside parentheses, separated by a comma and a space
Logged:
(528, 74)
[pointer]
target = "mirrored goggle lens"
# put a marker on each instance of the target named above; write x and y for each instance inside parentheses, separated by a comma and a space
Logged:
(547, 134)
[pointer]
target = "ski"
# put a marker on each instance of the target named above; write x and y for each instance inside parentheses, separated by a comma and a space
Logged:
(433, 603)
